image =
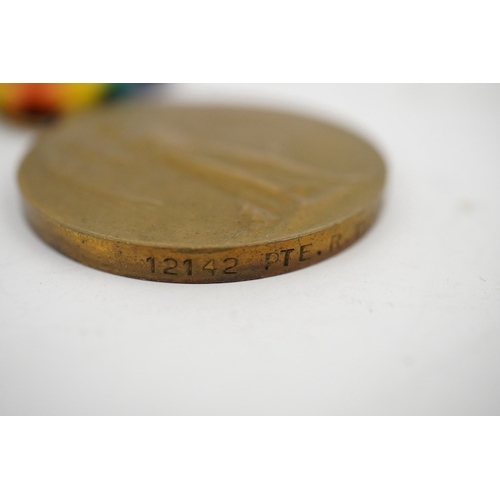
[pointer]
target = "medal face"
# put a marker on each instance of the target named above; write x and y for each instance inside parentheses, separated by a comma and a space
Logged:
(200, 194)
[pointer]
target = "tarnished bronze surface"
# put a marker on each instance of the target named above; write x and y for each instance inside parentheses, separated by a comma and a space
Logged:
(200, 194)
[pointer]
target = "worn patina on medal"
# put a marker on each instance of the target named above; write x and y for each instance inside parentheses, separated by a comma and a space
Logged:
(200, 194)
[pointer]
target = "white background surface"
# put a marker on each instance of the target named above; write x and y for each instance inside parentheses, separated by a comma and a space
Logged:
(407, 321)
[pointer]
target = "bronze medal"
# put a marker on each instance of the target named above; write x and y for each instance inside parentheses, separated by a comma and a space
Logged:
(200, 194)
